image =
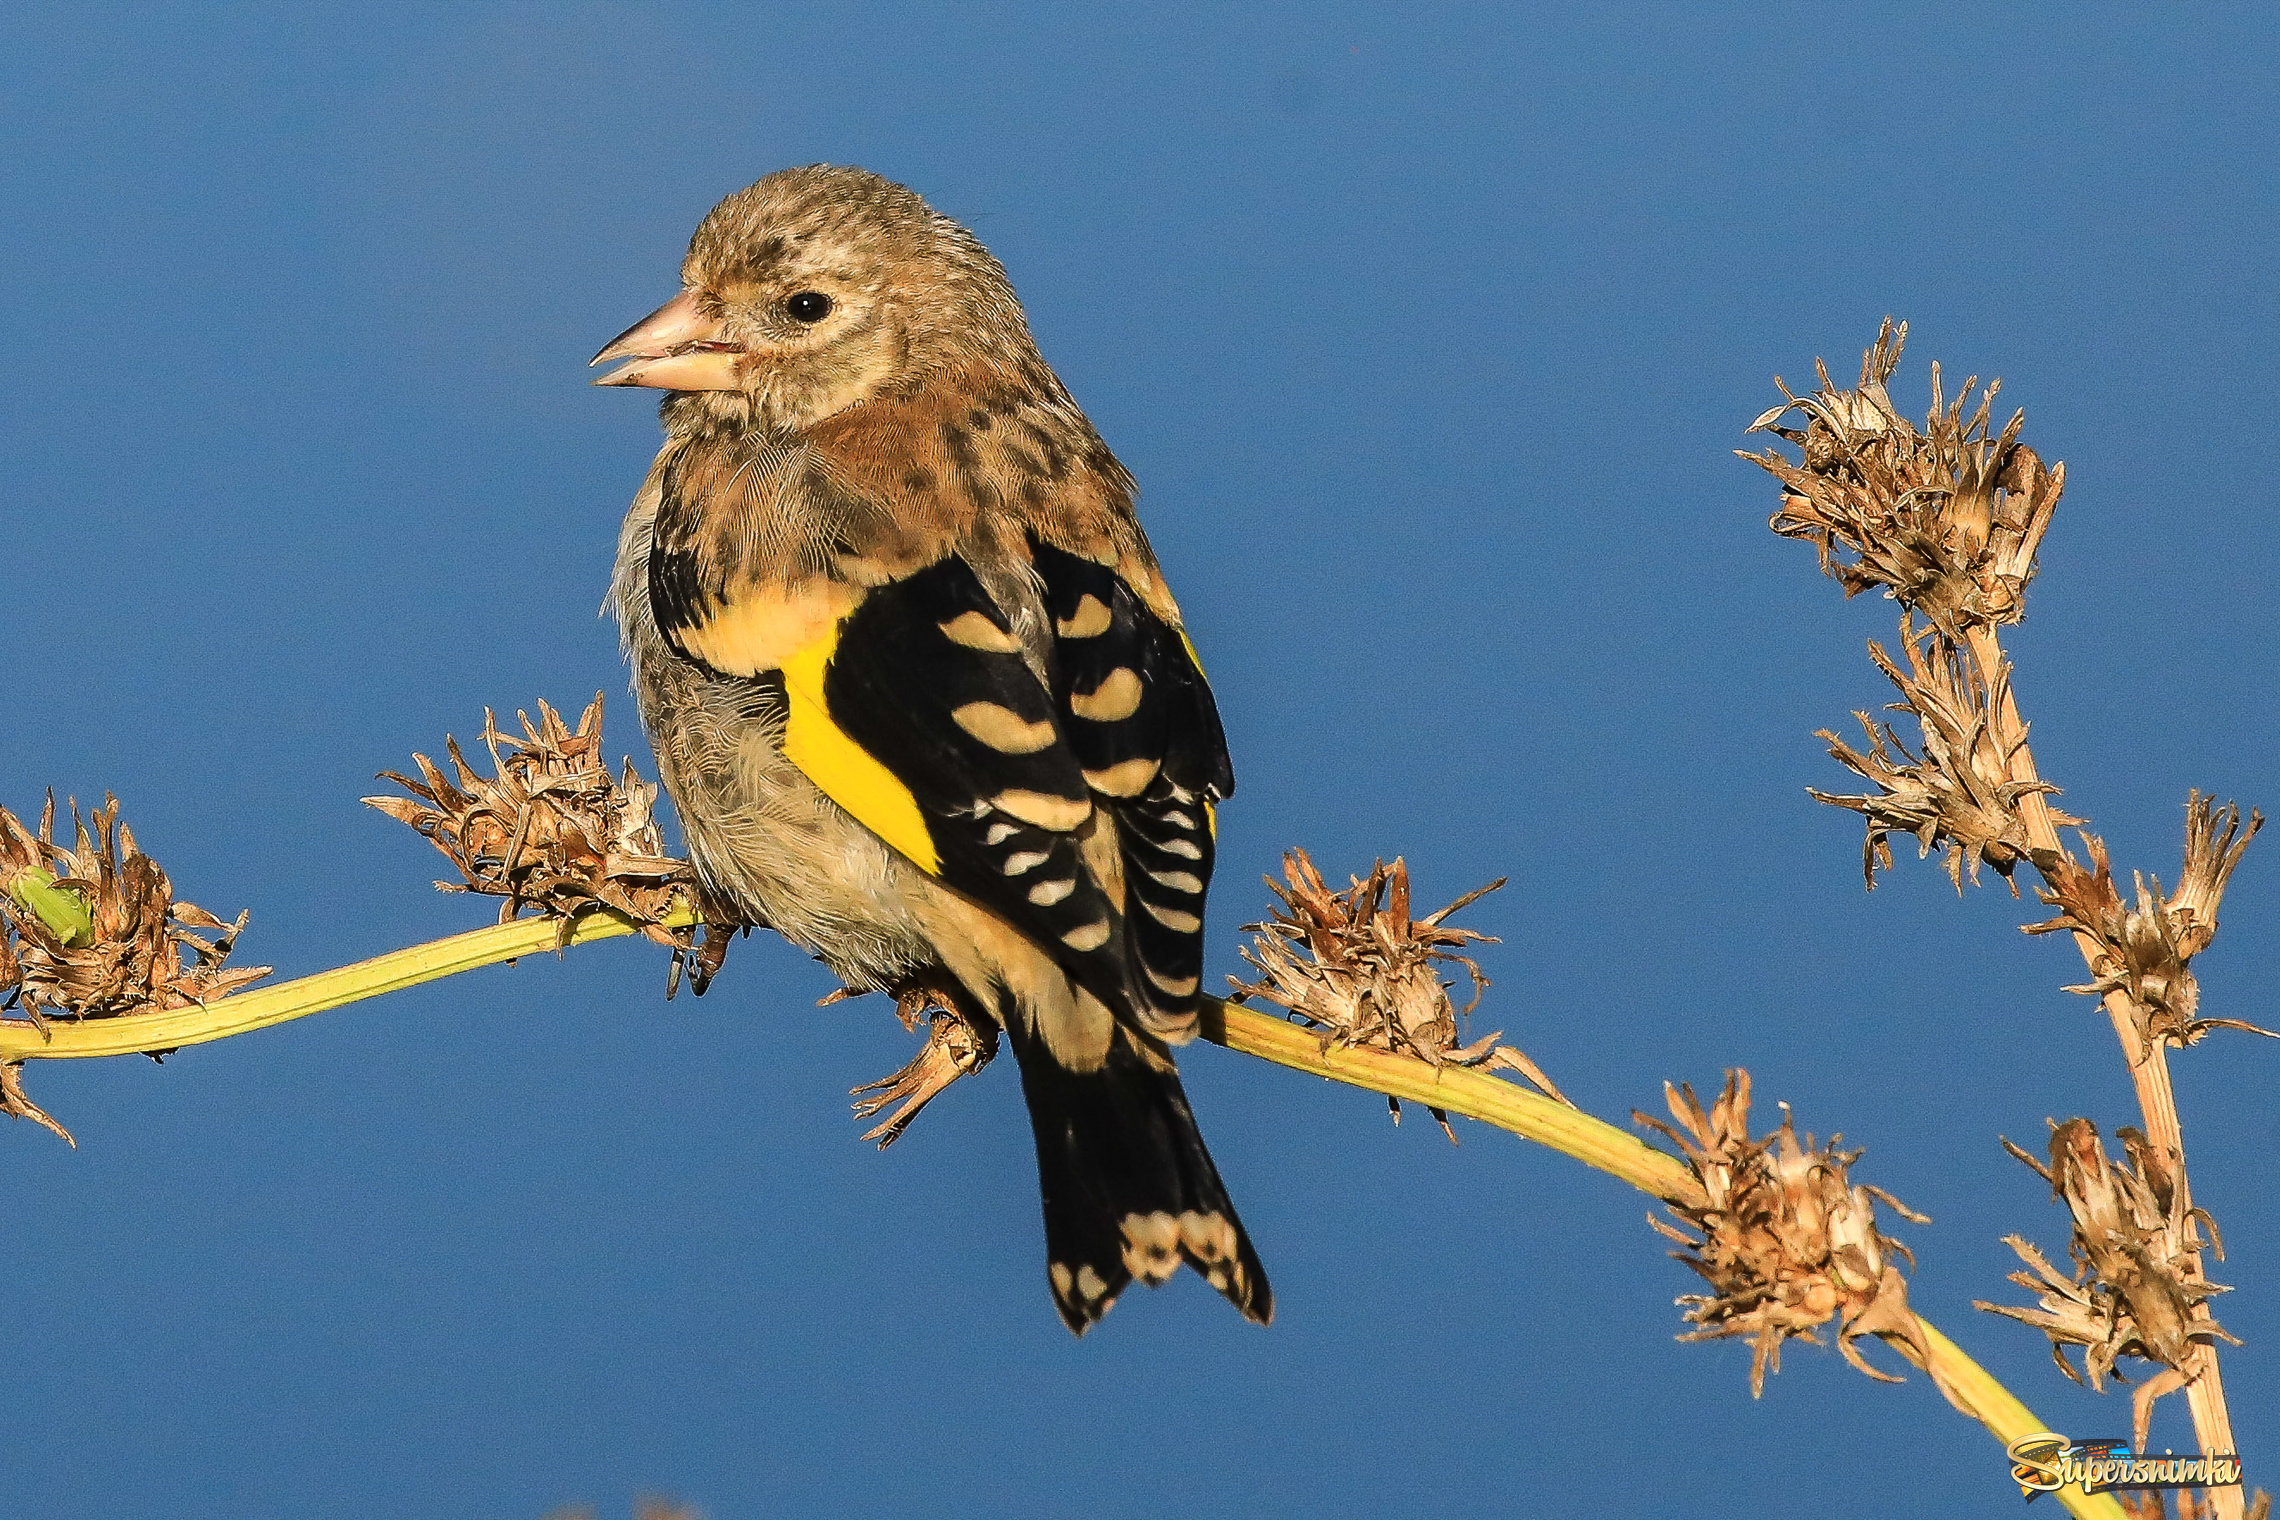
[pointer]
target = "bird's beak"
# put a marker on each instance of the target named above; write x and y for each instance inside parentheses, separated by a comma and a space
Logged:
(675, 348)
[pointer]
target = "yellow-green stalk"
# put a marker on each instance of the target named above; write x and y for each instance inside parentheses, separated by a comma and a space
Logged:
(1452, 1089)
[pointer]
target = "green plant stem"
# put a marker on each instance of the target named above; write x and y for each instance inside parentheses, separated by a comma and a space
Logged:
(21, 1040)
(1455, 1090)
(1594, 1142)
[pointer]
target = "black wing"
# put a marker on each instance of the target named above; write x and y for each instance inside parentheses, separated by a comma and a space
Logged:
(1145, 732)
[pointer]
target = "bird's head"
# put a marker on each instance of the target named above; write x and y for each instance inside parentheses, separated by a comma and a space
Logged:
(815, 290)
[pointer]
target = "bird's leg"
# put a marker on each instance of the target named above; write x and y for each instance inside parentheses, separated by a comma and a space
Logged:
(959, 1042)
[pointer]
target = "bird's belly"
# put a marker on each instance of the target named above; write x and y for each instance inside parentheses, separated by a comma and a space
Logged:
(765, 837)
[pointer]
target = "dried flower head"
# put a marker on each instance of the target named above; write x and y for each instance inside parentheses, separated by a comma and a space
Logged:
(1786, 1241)
(2145, 949)
(1946, 519)
(1960, 795)
(1358, 968)
(95, 932)
(553, 830)
(2138, 1289)
(122, 944)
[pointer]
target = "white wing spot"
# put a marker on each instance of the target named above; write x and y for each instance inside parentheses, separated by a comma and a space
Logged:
(1087, 936)
(1178, 881)
(1172, 986)
(974, 630)
(1001, 728)
(1047, 893)
(1128, 778)
(1116, 698)
(1060, 814)
(1171, 918)
(1090, 620)
(1027, 860)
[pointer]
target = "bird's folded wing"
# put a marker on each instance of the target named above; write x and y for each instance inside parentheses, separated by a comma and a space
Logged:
(918, 714)
(1145, 731)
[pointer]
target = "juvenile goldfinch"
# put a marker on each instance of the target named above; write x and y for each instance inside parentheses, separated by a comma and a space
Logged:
(919, 691)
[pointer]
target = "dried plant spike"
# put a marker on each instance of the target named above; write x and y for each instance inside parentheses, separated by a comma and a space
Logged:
(1785, 1240)
(1946, 518)
(552, 830)
(2144, 948)
(1962, 795)
(2137, 1289)
(1362, 970)
(94, 931)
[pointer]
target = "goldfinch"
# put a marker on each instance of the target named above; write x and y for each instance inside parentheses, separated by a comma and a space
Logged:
(919, 691)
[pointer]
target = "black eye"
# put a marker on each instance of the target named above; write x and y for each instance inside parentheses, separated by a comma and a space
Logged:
(808, 306)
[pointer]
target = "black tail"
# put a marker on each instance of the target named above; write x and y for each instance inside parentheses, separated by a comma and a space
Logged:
(1129, 1189)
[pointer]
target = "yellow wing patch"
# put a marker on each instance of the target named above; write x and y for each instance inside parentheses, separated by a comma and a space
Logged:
(845, 771)
(759, 630)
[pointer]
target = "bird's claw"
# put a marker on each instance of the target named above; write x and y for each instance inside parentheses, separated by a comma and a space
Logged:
(955, 1047)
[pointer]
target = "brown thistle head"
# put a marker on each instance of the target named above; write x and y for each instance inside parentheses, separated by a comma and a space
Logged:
(1786, 1241)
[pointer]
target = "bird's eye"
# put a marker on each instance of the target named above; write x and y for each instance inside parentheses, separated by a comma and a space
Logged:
(808, 306)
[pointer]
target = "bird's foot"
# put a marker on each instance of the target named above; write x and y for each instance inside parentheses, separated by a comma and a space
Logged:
(956, 1046)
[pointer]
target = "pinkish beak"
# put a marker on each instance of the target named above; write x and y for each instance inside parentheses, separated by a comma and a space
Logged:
(675, 348)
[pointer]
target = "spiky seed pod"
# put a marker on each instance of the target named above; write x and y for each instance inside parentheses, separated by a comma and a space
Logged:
(1946, 519)
(2145, 948)
(552, 830)
(94, 932)
(129, 948)
(1360, 968)
(2137, 1289)
(1959, 796)
(1786, 1241)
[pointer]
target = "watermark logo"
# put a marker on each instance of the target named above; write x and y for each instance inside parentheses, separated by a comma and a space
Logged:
(2046, 1462)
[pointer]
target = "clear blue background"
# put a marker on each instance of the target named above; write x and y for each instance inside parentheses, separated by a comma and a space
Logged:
(1428, 332)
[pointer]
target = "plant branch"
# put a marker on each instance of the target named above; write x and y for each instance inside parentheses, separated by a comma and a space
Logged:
(2147, 1060)
(21, 1039)
(1451, 1089)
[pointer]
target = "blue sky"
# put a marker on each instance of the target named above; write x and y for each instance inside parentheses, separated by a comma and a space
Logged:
(1428, 333)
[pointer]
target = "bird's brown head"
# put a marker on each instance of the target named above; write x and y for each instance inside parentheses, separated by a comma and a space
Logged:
(815, 290)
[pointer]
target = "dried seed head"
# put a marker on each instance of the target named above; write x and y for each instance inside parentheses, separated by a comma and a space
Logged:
(1359, 969)
(2145, 948)
(1959, 796)
(552, 830)
(1945, 519)
(94, 932)
(2137, 1289)
(1786, 1241)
